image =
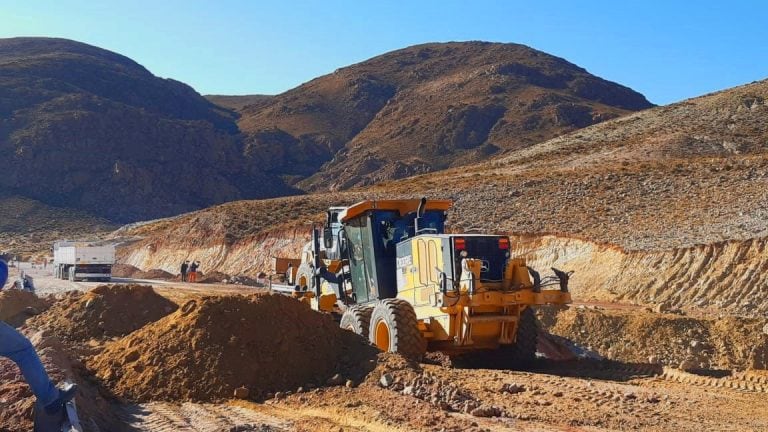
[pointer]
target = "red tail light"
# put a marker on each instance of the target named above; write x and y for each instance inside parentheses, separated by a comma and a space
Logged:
(459, 243)
(503, 243)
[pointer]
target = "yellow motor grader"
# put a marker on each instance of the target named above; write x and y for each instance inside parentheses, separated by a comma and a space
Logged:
(389, 272)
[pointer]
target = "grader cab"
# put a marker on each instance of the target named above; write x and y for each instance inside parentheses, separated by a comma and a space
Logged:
(391, 273)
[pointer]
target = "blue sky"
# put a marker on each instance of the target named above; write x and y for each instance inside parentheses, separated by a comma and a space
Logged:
(667, 50)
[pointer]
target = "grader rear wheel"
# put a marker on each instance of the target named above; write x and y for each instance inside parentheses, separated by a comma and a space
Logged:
(394, 328)
(357, 319)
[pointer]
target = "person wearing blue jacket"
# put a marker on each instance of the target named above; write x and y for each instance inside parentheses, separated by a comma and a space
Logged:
(19, 349)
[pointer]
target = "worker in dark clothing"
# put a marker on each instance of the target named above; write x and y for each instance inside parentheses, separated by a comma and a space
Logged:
(15, 346)
(184, 267)
(193, 271)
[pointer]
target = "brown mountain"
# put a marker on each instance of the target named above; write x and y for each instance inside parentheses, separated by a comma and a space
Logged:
(85, 128)
(666, 205)
(425, 108)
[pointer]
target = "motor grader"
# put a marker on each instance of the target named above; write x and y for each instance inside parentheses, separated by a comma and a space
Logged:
(388, 271)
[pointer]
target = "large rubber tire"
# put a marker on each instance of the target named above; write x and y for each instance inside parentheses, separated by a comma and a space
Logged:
(357, 319)
(394, 328)
(523, 352)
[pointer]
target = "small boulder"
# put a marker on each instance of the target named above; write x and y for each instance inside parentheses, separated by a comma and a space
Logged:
(512, 388)
(688, 365)
(486, 411)
(131, 357)
(335, 380)
(242, 393)
(386, 380)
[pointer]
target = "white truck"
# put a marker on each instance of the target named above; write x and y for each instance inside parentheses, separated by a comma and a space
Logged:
(78, 260)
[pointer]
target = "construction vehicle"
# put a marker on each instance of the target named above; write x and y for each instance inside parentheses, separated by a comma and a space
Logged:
(389, 271)
(82, 260)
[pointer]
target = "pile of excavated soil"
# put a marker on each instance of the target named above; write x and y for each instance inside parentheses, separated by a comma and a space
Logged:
(153, 274)
(214, 277)
(105, 311)
(16, 306)
(124, 270)
(673, 340)
(129, 271)
(212, 346)
(17, 401)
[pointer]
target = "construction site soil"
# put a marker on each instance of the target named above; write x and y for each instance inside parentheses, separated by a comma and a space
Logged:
(129, 271)
(212, 346)
(294, 370)
(16, 306)
(671, 339)
(105, 311)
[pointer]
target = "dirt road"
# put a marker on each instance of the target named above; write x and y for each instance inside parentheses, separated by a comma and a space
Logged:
(46, 284)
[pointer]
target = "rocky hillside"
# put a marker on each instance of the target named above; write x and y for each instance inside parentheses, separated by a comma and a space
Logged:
(86, 128)
(670, 204)
(423, 108)
(29, 228)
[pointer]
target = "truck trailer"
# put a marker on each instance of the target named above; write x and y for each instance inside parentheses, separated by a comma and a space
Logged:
(82, 260)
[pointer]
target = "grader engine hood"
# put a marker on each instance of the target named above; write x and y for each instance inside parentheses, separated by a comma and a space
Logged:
(436, 259)
(491, 251)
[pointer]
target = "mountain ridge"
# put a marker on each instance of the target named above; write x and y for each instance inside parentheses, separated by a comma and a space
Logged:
(90, 129)
(427, 107)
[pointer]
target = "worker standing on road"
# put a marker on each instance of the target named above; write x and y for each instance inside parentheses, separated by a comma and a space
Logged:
(184, 267)
(16, 347)
(193, 271)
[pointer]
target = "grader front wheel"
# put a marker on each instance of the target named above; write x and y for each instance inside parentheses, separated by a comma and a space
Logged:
(357, 319)
(394, 328)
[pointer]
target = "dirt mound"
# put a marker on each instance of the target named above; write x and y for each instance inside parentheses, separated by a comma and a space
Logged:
(17, 401)
(16, 306)
(211, 346)
(214, 277)
(154, 274)
(129, 271)
(124, 270)
(673, 340)
(105, 311)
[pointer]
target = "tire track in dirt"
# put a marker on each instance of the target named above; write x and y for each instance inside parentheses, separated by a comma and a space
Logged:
(744, 381)
(193, 417)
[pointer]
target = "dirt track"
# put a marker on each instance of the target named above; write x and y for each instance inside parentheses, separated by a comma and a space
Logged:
(588, 395)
